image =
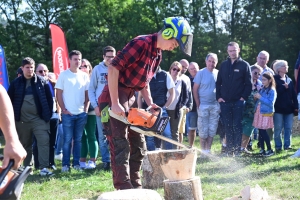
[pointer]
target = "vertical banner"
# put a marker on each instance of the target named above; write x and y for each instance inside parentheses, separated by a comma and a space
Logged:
(59, 50)
(3, 70)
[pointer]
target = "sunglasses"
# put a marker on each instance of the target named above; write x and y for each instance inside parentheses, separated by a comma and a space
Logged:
(256, 73)
(110, 57)
(41, 71)
(83, 66)
(175, 69)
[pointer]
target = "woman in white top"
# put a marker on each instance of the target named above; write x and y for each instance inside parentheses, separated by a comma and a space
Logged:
(88, 141)
(181, 99)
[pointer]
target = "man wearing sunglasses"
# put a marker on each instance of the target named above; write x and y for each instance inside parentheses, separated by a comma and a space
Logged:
(131, 70)
(42, 70)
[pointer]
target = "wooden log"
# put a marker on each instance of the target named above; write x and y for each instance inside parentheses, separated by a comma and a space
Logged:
(152, 175)
(178, 164)
(136, 194)
(186, 189)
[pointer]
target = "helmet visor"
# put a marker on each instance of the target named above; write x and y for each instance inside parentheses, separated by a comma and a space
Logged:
(185, 43)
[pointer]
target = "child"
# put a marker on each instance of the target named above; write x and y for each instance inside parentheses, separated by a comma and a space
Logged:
(264, 110)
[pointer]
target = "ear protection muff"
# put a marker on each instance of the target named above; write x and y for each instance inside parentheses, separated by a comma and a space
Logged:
(168, 33)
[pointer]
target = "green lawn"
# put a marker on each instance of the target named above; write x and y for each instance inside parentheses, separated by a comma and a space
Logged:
(220, 177)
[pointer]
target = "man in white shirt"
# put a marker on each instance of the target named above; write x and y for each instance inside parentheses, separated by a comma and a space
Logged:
(72, 95)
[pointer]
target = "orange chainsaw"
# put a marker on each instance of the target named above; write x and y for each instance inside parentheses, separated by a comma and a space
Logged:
(146, 123)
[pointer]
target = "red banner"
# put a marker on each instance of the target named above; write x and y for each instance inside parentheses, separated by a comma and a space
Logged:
(59, 50)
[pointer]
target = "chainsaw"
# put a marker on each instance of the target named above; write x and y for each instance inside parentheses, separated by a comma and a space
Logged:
(146, 123)
(12, 182)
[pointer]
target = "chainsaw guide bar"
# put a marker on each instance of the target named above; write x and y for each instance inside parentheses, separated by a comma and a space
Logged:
(158, 127)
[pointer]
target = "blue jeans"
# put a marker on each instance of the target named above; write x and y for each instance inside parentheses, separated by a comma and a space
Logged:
(167, 133)
(59, 140)
(285, 122)
(103, 142)
(73, 126)
(232, 116)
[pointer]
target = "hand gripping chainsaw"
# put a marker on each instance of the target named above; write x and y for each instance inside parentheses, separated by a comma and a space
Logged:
(12, 182)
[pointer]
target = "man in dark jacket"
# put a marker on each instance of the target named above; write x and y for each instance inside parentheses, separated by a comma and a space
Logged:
(233, 87)
(32, 102)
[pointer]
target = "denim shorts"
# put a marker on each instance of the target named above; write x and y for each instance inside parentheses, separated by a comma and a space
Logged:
(191, 120)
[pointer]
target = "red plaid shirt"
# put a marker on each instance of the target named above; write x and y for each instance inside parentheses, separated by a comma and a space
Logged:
(138, 61)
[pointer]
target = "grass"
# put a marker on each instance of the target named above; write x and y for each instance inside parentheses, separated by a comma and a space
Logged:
(220, 178)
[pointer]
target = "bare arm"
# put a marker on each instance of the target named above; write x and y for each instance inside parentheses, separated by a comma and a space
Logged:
(86, 102)
(13, 148)
(145, 92)
(139, 100)
(61, 102)
(296, 74)
(171, 97)
(113, 77)
(195, 93)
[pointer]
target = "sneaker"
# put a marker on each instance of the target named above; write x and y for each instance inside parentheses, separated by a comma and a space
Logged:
(106, 166)
(249, 148)
(296, 154)
(203, 154)
(245, 152)
(46, 172)
(91, 165)
(262, 152)
(58, 157)
(223, 149)
(237, 153)
(269, 153)
(82, 165)
(278, 150)
(65, 168)
(53, 167)
(77, 167)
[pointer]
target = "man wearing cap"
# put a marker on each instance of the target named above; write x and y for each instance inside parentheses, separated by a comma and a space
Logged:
(131, 70)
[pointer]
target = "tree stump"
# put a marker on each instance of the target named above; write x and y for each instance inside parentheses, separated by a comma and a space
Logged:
(152, 176)
(178, 164)
(186, 189)
(136, 194)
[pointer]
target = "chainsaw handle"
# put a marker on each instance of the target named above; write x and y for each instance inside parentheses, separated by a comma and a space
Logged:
(6, 170)
(158, 108)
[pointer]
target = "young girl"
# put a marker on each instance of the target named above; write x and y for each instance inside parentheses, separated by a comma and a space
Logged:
(264, 110)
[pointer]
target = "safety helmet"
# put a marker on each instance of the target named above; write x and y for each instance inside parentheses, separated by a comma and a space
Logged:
(179, 28)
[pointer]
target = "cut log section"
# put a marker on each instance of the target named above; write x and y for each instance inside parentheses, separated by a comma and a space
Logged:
(178, 164)
(152, 176)
(187, 189)
(136, 194)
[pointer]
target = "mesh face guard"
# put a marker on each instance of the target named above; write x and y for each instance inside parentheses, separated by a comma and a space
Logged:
(182, 33)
